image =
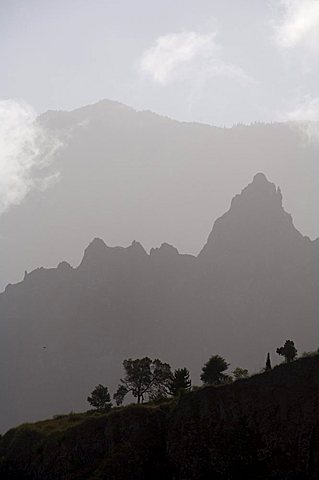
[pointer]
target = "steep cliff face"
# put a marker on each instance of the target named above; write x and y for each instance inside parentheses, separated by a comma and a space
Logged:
(265, 427)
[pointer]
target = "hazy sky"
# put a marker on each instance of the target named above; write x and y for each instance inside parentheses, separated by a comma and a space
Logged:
(220, 62)
(214, 61)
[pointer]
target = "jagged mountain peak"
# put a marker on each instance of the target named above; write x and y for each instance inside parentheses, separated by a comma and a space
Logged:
(64, 266)
(136, 248)
(259, 193)
(96, 245)
(256, 221)
(98, 254)
(260, 177)
(164, 250)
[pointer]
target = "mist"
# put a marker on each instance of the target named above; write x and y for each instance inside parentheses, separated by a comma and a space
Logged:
(26, 151)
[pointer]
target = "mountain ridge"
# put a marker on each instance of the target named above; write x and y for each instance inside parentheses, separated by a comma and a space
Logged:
(98, 244)
(124, 302)
(120, 171)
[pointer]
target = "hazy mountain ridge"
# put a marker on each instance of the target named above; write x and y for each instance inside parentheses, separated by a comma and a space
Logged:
(127, 174)
(64, 330)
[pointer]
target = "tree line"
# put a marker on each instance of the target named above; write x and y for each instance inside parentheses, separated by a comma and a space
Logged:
(153, 380)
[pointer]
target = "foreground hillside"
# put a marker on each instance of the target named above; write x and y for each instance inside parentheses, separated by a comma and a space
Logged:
(65, 330)
(265, 427)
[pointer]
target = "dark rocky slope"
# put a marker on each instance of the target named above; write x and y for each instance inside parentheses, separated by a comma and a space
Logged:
(265, 427)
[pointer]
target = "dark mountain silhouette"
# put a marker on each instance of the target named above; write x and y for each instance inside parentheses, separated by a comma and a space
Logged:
(127, 174)
(253, 285)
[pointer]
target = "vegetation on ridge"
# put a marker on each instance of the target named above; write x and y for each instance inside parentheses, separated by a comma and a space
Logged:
(153, 380)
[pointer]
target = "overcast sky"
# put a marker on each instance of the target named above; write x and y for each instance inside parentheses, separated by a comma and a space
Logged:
(214, 61)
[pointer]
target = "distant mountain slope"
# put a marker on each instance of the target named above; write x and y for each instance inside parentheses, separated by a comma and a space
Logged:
(64, 330)
(127, 174)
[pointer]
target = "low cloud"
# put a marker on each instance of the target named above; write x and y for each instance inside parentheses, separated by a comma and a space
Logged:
(305, 116)
(26, 150)
(187, 55)
(298, 24)
(306, 111)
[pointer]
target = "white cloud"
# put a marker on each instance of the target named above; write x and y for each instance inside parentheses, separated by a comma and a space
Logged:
(306, 111)
(306, 117)
(298, 24)
(25, 150)
(185, 55)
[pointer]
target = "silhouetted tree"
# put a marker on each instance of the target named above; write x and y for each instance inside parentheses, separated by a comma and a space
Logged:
(213, 370)
(240, 373)
(288, 351)
(268, 363)
(144, 377)
(180, 382)
(100, 399)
